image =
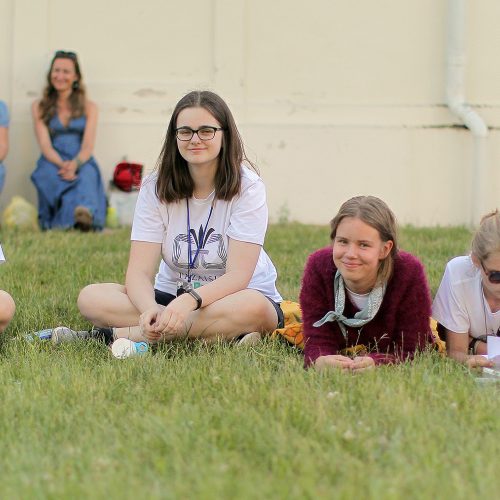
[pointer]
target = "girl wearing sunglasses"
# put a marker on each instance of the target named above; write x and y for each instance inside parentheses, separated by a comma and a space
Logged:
(67, 178)
(203, 212)
(467, 304)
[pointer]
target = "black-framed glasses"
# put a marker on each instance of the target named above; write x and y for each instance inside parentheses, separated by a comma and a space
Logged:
(64, 53)
(203, 133)
(493, 276)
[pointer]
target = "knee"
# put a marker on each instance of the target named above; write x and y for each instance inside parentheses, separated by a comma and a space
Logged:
(88, 301)
(7, 309)
(262, 312)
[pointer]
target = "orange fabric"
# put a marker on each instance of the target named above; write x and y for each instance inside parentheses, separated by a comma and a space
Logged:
(292, 331)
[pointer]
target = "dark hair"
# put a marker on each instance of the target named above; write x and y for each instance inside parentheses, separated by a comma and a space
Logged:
(77, 99)
(486, 239)
(174, 180)
(374, 212)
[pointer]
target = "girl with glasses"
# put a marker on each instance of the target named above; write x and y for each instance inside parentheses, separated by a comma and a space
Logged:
(467, 304)
(67, 178)
(203, 212)
(364, 302)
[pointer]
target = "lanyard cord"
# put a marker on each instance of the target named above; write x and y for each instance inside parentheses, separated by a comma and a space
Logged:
(199, 243)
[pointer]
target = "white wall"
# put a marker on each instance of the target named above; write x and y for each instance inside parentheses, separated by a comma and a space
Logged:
(333, 97)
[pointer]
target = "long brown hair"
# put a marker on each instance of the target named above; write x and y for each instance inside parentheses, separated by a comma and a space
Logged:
(174, 180)
(374, 212)
(77, 99)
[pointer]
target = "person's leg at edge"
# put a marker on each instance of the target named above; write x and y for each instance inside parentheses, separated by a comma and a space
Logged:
(242, 312)
(7, 309)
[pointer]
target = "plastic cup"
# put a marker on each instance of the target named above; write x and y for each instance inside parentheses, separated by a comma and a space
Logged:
(124, 348)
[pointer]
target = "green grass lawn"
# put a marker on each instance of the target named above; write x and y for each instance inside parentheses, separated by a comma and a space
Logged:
(193, 421)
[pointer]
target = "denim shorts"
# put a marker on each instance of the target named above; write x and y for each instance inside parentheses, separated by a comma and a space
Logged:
(164, 298)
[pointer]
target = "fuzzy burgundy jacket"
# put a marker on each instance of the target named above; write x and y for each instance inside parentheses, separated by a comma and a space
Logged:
(400, 327)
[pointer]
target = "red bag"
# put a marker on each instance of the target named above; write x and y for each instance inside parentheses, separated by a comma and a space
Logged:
(127, 176)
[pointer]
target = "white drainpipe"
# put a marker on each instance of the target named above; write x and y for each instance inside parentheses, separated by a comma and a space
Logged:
(455, 99)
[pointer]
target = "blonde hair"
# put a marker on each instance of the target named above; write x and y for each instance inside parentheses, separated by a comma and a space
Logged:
(486, 239)
(374, 212)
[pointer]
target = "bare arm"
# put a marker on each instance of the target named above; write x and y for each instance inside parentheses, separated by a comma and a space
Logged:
(241, 261)
(142, 266)
(4, 142)
(457, 346)
(43, 138)
(89, 135)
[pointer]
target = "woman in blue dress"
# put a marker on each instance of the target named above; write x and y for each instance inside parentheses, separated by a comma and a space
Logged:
(67, 178)
(4, 140)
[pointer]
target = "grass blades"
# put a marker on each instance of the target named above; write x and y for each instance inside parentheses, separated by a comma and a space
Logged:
(218, 421)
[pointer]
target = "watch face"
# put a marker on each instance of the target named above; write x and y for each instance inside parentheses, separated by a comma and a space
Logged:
(183, 287)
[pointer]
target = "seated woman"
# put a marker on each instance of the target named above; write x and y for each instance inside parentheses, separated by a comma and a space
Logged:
(362, 295)
(467, 303)
(205, 214)
(4, 140)
(67, 178)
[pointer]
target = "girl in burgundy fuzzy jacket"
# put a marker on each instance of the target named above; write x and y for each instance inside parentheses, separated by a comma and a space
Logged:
(368, 303)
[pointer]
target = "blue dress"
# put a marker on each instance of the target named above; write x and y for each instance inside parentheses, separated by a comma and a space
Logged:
(58, 198)
(4, 122)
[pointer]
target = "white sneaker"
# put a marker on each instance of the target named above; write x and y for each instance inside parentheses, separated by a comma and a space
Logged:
(65, 334)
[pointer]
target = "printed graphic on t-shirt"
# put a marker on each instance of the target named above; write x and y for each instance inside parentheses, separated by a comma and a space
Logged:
(212, 252)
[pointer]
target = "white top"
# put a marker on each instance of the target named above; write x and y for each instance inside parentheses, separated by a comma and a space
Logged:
(358, 299)
(460, 305)
(244, 218)
(2, 256)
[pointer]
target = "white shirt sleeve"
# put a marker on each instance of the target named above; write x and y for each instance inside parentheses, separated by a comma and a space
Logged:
(148, 224)
(249, 214)
(449, 308)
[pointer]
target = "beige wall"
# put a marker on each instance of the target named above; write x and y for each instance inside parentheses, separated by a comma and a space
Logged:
(333, 97)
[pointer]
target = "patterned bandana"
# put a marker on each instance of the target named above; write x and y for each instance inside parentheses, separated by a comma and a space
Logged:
(360, 319)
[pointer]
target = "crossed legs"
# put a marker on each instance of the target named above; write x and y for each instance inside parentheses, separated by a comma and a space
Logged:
(107, 304)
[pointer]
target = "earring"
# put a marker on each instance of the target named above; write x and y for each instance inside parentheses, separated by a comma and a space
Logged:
(76, 85)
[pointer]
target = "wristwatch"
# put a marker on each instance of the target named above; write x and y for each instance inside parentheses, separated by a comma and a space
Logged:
(183, 287)
(195, 296)
(474, 341)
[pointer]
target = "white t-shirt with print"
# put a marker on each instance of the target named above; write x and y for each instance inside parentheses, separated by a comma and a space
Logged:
(244, 218)
(460, 305)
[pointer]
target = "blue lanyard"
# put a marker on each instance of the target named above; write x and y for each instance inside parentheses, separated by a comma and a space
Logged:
(199, 243)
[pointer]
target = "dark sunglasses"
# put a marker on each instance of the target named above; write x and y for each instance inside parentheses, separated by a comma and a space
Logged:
(63, 53)
(493, 276)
